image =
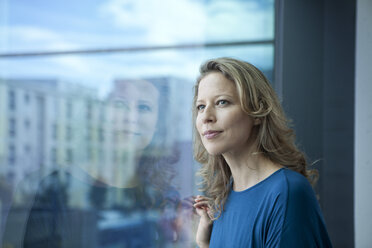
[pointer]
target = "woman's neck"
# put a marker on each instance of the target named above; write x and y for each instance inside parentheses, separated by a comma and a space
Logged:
(249, 168)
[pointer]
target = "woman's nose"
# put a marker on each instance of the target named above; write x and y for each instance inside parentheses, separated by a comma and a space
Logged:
(209, 115)
(131, 117)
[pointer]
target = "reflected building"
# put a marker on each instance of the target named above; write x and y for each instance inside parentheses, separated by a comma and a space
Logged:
(55, 131)
(37, 126)
(51, 124)
(28, 109)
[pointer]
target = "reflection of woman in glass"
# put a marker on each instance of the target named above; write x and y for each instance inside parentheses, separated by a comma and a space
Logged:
(135, 116)
(257, 192)
(139, 114)
(124, 203)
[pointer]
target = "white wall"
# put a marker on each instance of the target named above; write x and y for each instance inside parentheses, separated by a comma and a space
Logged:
(363, 125)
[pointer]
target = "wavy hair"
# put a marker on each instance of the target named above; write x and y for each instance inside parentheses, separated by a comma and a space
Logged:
(274, 138)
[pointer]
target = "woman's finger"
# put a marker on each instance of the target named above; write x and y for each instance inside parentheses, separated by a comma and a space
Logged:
(202, 201)
(202, 198)
(201, 205)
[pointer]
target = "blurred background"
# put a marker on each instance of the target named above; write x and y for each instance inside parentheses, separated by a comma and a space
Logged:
(95, 104)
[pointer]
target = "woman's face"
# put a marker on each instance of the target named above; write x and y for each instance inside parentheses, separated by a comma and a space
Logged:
(221, 123)
(136, 113)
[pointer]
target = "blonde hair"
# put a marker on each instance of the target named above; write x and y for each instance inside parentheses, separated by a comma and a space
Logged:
(275, 139)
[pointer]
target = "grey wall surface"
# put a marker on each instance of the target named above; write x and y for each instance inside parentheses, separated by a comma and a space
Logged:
(338, 130)
(316, 49)
(363, 125)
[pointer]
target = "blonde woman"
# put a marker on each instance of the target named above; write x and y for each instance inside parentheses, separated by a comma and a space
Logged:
(256, 181)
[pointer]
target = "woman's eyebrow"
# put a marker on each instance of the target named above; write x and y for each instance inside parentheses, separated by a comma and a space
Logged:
(145, 101)
(224, 95)
(216, 96)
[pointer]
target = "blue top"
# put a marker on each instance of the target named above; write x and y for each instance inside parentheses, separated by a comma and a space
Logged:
(280, 211)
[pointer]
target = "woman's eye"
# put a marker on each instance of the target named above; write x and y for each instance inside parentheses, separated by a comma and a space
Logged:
(222, 102)
(200, 107)
(144, 108)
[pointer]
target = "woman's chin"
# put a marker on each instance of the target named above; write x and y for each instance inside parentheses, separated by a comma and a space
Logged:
(214, 151)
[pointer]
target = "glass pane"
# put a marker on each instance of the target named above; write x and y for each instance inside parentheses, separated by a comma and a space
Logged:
(96, 149)
(69, 25)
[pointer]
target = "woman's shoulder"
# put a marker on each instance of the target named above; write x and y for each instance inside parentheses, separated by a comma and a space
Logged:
(298, 190)
(296, 181)
(303, 222)
(289, 183)
(295, 196)
(284, 178)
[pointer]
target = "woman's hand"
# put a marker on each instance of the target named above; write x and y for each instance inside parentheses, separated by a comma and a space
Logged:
(203, 233)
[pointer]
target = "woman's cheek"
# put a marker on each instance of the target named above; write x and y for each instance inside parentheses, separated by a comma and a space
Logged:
(198, 124)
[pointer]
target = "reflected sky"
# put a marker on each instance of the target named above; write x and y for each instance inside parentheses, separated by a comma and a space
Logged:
(41, 25)
(61, 25)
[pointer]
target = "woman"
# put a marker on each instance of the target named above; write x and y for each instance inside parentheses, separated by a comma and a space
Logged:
(256, 181)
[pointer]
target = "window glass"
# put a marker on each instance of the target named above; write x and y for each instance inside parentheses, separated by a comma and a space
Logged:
(106, 150)
(62, 25)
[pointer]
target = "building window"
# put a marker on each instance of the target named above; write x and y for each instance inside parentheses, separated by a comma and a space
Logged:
(69, 156)
(12, 127)
(90, 153)
(40, 112)
(102, 114)
(101, 156)
(27, 124)
(89, 133)
(101, 135)
(12, 154)
(27, 98)
(115, 137)
(27, 149)
(53, 156)
(69, 109)
(54, 131)
(68, 133)
(115, 156)
(89, 110)
(12, 100)
(11, 176)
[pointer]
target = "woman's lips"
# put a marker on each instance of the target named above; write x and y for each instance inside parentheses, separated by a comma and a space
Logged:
(211, 134)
